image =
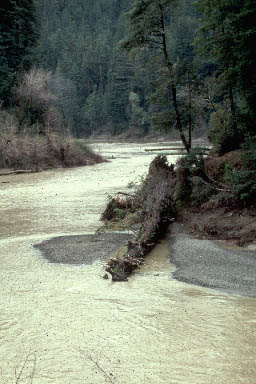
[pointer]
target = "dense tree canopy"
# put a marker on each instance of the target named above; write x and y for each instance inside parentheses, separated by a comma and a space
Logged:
(18, 34)
(94, 77)
(227, 37)
(158, 81)
(148, 23)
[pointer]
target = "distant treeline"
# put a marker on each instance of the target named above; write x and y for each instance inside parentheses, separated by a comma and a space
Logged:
(100, 88)
(86, 82)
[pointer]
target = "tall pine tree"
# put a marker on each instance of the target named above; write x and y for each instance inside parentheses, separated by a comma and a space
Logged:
(227, 37)
(149, 23)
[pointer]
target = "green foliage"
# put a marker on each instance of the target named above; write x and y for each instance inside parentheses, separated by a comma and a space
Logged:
(222, 134)
(192, 185)
(18, 34)
(194, 161)
(243, 181)
(138, 115)
(79, 45)
(227, 37)
(149, 29)
(146, 21)
(119, 83)
(93, 78)
(94, 110)
(201, 191)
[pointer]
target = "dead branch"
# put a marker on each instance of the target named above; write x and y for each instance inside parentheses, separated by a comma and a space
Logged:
(126, 194)
(20, 373)
(102, 370)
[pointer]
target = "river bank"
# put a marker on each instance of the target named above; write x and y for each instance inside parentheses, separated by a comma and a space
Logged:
(236, 228)
(184, 193)
(212, 264)
(34, 153)
(153, 138)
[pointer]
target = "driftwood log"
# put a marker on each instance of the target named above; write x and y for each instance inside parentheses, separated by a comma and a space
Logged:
(205, 149)
(158, 211)
(17, 172)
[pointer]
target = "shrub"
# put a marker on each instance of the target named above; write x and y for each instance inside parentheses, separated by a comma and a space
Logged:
(118, 207)
(201, 191)
(40, 152)
(194, 161)
(243, 181)
(36, 103)
(192, 184)
(222, 134)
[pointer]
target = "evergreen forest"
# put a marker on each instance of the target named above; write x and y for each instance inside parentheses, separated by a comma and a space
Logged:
(131, 67)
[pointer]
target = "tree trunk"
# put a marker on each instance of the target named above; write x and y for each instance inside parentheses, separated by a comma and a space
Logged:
(159, 210)
(233, 109)
(169, 64)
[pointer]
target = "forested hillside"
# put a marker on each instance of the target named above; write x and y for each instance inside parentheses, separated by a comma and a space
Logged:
(100, 88)
(90, 77)
(114, 66)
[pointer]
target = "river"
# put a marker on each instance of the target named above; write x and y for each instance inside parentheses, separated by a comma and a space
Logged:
(63, 324)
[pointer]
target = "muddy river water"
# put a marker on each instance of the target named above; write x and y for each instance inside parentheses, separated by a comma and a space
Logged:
(63, 324)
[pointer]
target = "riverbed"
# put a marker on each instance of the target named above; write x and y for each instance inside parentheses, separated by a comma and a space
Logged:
(63, 324)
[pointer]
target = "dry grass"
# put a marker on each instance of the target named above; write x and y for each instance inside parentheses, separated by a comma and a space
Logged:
(41, 152)
(38, 146)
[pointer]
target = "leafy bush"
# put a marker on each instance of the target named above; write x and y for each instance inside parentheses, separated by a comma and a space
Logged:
(118, 208)
(222, 134)
(194, 161)
(243, 181)
(191, 180)
(193, 185)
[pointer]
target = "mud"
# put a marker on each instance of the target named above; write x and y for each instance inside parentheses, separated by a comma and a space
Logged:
(237, 227)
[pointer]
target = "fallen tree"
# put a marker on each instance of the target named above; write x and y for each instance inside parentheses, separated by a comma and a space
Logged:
(158, 209)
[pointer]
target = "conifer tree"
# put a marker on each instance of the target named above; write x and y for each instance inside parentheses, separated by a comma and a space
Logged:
(18, 34)
(148, 24)
(227, 37)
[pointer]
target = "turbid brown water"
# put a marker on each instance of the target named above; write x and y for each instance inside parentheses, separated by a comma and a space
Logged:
(62, 324)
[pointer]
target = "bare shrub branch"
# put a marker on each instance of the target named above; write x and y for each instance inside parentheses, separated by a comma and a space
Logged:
(36, 102)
